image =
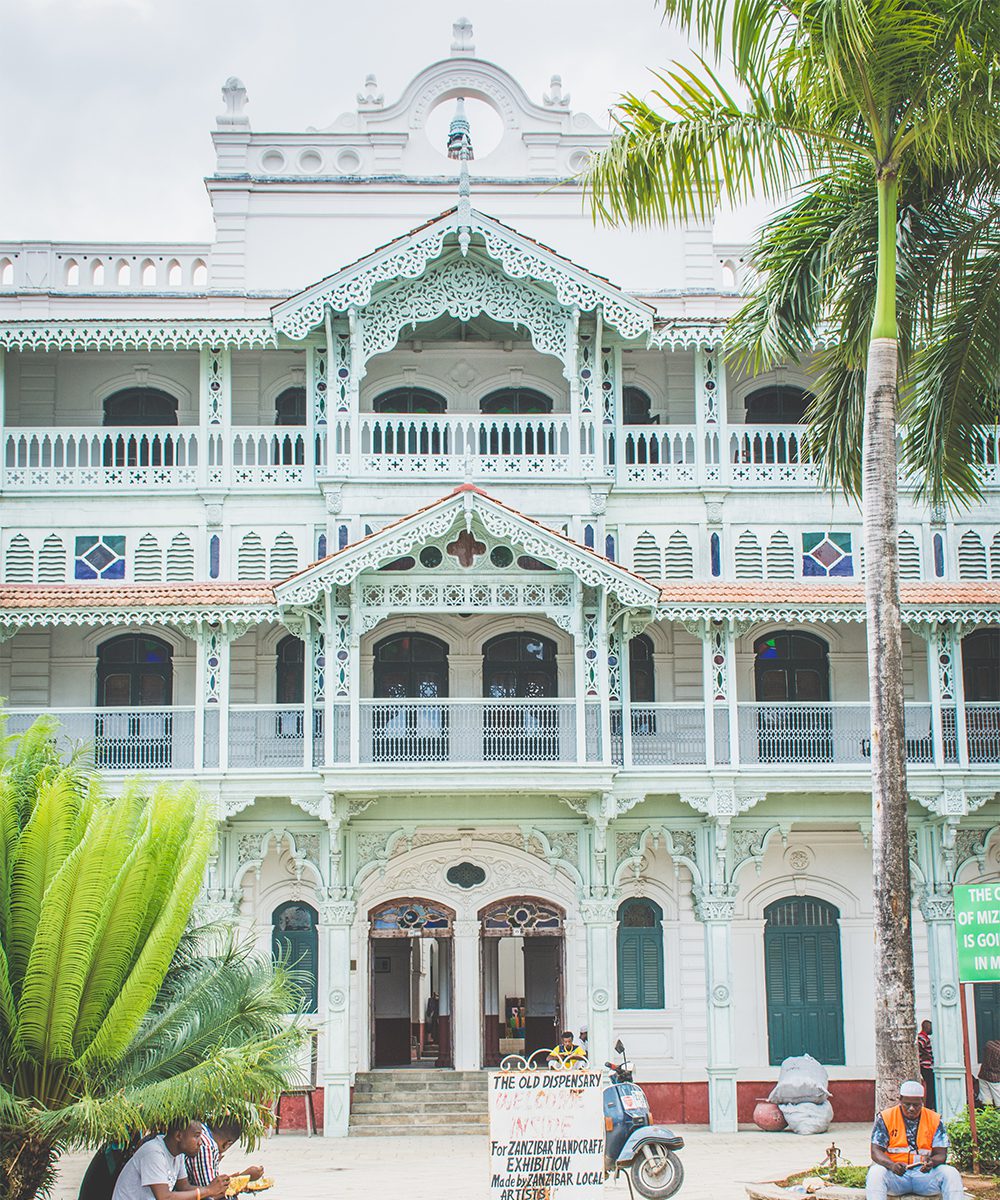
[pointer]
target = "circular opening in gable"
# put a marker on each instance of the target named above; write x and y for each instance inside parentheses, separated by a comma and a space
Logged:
(485, 125)
(272, 161)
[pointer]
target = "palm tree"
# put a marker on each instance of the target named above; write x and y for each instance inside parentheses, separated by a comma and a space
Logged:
(113, 1018)
(878, 93)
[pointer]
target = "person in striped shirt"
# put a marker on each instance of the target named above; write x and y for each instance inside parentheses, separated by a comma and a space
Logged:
(216, 1138)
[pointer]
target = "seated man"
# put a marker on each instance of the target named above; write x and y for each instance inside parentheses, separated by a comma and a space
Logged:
(909, 1148)
(567, 1052)
(216, 1139)
(156, 1171)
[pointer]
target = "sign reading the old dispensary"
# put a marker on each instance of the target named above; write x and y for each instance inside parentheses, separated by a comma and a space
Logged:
(546, 1135)
(977, 929)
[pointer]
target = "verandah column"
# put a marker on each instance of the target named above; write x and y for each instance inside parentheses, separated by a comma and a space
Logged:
(600, 917)
(466, 985)
(215, 408)
(711, 449)
(336, 920)
(949, 1069)
(211, 704)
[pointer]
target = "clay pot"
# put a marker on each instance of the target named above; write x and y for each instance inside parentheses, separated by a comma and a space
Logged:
(769, 1117)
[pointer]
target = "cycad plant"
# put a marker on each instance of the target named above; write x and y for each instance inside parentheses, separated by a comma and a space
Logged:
(884, 95)
(112, 1018)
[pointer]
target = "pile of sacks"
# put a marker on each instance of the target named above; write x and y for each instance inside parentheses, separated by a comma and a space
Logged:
(803, 1096)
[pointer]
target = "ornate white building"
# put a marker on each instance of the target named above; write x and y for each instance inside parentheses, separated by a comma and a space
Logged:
(509, 630)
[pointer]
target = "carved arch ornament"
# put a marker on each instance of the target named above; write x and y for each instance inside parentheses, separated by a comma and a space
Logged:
(463, 288)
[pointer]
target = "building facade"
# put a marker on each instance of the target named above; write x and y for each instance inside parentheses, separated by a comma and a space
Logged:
(509, 628)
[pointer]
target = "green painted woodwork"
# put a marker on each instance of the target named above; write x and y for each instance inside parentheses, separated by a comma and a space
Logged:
(295, 942)
(987, 1001)
(805, 1003)
(640, 955)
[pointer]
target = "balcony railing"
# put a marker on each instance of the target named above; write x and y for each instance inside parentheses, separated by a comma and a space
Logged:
(121, 739)
(498, 733)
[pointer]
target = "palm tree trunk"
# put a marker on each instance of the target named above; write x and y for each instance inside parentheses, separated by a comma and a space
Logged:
(895, 1020)
(26, 1165)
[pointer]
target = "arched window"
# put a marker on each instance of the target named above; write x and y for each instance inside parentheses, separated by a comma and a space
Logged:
(139, 408)
(805, 1004)
(290, 406)
(295, 942)
(142, 406)
(640, 954)
(791, 666)
(411, 666)
(515, 401)
(409, 400)
(520, 665)
(981, 671)
(290, 671)
(642, 682)
(134, 670)
(636, 406)
(777, 404)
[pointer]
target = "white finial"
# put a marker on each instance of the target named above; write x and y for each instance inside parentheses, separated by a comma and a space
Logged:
(460, 147)
(462, 43)
(371, 97)
(234, 94)
(555, 97)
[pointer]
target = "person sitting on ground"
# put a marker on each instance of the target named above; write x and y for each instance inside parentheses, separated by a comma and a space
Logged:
(989, 1074)
(216, 1138)
(156, 1171)
(909, 1148)
(567, 1052)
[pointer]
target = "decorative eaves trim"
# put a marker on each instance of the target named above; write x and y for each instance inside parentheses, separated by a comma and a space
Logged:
(13, 619)
(408, 257)
(837, 614)
(135, 335)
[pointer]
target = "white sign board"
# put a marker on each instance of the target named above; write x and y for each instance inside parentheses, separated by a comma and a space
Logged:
(546, 1135)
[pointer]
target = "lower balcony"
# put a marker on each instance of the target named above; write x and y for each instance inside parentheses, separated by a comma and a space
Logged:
(497, 733)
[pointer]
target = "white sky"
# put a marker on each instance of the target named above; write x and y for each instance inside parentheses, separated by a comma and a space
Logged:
(109, 103)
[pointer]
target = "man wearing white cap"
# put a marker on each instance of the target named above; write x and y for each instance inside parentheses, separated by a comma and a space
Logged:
(909, 1148)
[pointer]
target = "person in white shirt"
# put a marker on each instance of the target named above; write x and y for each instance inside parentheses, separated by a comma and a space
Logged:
(157, 1170)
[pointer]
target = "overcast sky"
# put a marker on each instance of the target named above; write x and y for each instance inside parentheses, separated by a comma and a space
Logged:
(108, 104)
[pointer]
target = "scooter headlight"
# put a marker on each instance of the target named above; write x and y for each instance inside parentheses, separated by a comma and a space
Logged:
(627, 1065)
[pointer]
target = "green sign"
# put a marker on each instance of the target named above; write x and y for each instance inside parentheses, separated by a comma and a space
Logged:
(977, 930)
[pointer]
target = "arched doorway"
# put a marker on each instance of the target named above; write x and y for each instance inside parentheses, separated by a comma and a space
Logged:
(410, 952)
(792, 687)
(805, 1000)
(295, 942)
(518, 667)
(516, 437)
(134, 672)
(522, 972)
(411, 670)
(139, 408)
(409, 436)
(981, 674)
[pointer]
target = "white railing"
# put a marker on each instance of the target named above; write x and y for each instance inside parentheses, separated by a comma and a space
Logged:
(411, 444)
(100, 457)
(121, 739)
(824, 733)
(662, 734)
(658, 454)
(982, 723)
(273, 735)
(264, 455)
(770, 454)
(986, 453)
(468, 731)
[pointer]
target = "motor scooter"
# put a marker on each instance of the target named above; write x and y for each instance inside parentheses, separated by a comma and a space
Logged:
(632, 1143)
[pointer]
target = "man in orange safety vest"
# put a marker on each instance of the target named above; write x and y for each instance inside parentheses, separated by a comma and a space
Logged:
(909, 1148)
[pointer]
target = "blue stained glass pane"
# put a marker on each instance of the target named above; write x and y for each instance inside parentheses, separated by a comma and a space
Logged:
(115, 542)
(321, 546)
(116, 570)
(83, 570)
(213, 556)
(588, 536)
(342, 535)
(844, 567)
(609, 547)
(716, 556)
(939, 556)
(811, 567)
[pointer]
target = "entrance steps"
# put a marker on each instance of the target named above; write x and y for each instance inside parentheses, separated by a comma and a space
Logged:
(415, 1100)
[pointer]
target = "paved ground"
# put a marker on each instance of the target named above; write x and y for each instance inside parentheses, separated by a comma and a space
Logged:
(429, 1168)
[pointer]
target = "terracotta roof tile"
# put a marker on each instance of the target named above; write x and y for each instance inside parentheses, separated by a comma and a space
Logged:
(133, 595)
(773, 591)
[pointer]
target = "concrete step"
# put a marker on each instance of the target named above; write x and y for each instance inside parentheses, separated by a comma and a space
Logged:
(407, 1103)
(366, 1103)
(451, 1130)
(421, 1118)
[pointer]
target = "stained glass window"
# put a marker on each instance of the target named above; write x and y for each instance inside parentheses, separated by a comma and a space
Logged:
(100, 556)
(827, 554)
(415, 917)
(521, 916)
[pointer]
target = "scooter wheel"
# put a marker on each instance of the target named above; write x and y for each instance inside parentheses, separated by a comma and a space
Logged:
(656, 1172)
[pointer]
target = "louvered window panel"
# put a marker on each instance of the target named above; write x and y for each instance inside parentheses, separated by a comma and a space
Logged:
(640, 955)
(250, 563)
(646, 559)
(749, 561)
(52, 561)
(995, 557)
(678, 560)
(909, 556)
(148, 565)
(19, 564)
(780, 557)
(180, 559)
(971, 556)
(802, 971)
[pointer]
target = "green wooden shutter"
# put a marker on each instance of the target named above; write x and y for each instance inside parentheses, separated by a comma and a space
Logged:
(987, 1003)
(640, 955)
(299, 949)
(805, 1007)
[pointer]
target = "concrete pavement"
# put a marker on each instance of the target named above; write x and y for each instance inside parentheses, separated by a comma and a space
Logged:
(716, 1166)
